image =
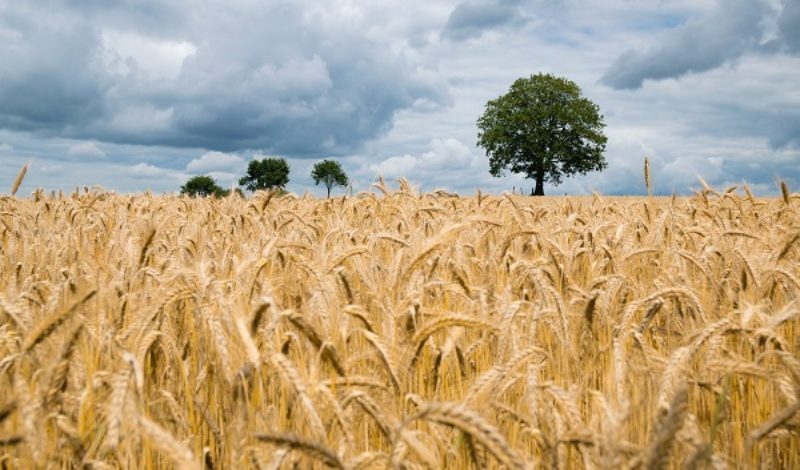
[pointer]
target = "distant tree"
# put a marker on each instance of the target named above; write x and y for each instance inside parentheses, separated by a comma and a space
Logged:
(330, 173)
(266, 174)
(544, 129)
(202, 186)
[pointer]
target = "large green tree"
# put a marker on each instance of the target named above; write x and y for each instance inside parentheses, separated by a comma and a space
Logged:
(543, 128)
(202, 186)
(330, 173)
(267, 173)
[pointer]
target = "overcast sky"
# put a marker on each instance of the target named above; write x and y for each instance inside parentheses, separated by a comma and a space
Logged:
(137, 95)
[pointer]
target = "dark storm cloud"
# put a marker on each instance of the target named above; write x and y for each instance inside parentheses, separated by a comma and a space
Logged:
(470, 19)
(789, 26)
(777, 123)
(47, 91)
(785, 131)
(270, 77)
(733, 28)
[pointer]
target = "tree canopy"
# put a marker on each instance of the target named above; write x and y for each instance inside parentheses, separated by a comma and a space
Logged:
(330, 173)
(267, 173)
(543, 128)
(202, 186)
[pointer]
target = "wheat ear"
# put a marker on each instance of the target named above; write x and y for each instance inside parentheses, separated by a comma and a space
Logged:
(310, 448)
(667, 426)
(175, 450)
(788, 246)
(116, 407)
(371, 408)
(301, 323)
(774, 422)
(469, 422)
(385, 354)
(785, 193)
(58, 379)
(450, 321)
(18, 180)
(292, 376)
(11, 441)
(49, 325)
(6, 410)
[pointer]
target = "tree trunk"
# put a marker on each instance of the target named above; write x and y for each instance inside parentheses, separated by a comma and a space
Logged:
(329, 191)
(539, 191)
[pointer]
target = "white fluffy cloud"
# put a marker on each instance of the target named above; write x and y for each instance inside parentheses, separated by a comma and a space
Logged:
(448, 163)
(146, 170)
(444, 155)
(216, 161)
(125, 53)
(86, 149)
(394, 167)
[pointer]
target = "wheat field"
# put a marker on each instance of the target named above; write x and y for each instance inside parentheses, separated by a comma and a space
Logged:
(399, 330)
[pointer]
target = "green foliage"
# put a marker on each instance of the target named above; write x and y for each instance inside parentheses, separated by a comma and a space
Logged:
(203, 186)
(236, 191)
(330, 173)
(266, 174)
(544, 129)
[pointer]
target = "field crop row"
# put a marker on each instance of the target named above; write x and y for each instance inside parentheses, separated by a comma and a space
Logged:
(399, 330)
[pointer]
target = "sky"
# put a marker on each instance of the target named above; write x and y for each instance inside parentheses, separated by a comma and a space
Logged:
(138, 95)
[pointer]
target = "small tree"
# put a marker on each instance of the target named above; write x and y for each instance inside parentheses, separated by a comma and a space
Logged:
(330, 173)
(266, 174)
(544, 129)
(202, 186)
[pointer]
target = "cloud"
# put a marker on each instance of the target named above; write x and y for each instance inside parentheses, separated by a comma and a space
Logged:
(126, 53)
(446, 163)
(86, 149)
(395, 167)
(215, 161)
(470, 19)
(789, 26)
(146, 170)
(227, 76)
(391, 90)
(49, 79)
(4, 147)
(731, 29)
